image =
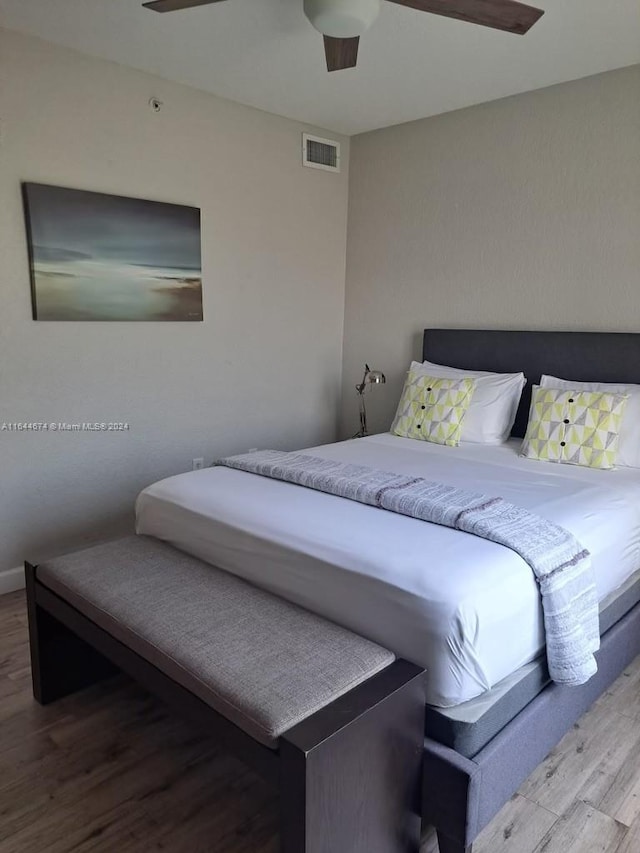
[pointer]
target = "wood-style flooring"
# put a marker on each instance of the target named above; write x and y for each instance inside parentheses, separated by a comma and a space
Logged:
(109, 769)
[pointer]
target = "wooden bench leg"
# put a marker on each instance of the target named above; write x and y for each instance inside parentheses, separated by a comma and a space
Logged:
(446, 845)
(61, 663)
(350, 774)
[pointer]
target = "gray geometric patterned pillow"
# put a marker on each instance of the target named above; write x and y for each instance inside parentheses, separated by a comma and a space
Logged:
(432, 409)
(574, 427)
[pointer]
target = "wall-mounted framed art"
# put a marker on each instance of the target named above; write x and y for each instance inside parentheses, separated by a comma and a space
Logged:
(95, 256)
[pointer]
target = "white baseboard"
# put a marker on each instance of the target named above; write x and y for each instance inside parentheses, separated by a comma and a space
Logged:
(11, 580)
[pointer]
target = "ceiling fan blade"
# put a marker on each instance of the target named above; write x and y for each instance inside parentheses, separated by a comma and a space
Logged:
(174, 5)
(341, 53)
(499, 14)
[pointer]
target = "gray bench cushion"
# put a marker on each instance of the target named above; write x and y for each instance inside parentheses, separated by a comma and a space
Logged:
(263, 663)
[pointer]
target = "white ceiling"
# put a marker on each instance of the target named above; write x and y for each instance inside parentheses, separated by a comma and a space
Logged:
(266, 54)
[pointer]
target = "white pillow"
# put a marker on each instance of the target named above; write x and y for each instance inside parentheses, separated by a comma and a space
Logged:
(629, 447)
(493, 406)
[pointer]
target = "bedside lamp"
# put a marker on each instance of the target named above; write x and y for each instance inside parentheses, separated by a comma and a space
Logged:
(371, 377)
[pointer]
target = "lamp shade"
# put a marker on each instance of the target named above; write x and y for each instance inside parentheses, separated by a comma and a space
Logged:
(342, 19)
(375, 377)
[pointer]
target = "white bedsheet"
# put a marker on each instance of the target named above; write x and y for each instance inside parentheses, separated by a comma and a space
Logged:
(465, 608)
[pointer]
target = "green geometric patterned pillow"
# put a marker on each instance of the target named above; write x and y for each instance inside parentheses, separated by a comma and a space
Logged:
(575, 427)
(433, 409)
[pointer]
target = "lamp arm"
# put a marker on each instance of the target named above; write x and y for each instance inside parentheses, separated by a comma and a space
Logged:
(360, 388)
(363, 418)
(362, 412)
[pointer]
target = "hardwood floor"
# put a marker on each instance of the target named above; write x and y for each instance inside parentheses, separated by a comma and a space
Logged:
(109, 770)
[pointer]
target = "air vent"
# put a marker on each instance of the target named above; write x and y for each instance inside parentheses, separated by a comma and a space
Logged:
(320, 153)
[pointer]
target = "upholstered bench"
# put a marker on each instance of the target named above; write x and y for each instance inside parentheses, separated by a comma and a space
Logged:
(330, 717)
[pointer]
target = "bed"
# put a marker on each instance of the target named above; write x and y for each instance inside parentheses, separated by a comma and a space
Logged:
(465, 608)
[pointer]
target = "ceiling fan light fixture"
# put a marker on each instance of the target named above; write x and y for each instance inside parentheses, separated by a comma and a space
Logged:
(342, 19)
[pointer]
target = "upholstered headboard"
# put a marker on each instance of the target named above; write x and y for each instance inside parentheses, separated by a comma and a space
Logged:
(584, 356)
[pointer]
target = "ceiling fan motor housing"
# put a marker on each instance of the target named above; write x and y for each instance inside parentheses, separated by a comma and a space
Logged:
(342, 19)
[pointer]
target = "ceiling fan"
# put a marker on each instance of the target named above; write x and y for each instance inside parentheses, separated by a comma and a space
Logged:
(342, 22)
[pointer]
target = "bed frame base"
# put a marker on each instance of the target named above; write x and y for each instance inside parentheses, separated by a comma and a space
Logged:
(348, 776)
(461, 795)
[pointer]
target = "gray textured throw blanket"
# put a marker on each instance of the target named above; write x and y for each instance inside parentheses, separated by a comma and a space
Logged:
(561, 565)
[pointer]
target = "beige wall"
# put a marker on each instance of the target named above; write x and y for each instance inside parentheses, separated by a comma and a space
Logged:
(262, 370)
(521, 213)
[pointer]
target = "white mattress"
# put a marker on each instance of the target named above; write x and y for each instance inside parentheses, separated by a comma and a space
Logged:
(465, 608)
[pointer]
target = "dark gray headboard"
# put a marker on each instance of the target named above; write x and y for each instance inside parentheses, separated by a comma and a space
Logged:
(584, 356)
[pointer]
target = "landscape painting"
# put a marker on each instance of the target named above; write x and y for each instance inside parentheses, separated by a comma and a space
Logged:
(105, 257)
